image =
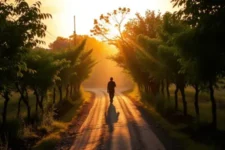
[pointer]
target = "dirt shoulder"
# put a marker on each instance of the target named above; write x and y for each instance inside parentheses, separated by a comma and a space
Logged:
(69, 136)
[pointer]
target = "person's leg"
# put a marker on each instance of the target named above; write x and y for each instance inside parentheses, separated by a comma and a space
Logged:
(110, 96)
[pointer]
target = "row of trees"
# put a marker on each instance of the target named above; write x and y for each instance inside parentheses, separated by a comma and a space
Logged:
(25, 68)
(181, 48)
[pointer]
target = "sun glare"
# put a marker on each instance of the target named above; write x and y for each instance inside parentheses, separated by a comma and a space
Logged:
(113, 32)
(86, 11)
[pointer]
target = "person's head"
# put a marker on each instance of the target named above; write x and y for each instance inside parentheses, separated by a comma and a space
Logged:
(111, 79)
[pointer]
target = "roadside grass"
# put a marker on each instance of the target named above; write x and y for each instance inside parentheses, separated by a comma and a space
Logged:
(193, 135)
(43, 134)
(52, 135)
(74, 106)
(48, 142)
(70, 111)
(204, 106)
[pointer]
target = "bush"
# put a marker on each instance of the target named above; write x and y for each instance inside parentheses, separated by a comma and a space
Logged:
(27, 132)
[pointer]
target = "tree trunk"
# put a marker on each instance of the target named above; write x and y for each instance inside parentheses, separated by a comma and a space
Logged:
(196, 101)
(4, 113)
(22, 89)
(26, 102)
(54, 95)
(162, 87)
(79, 85)
(21, 98)
(25, 99)
(146, 88)
(149, 88)
(213, 101)
(18, 108)
(76, 88)
(184, 101)
(139, 86)
(176, 98)
(37, 100)
(167, 89)
(67, 91)
(41, 104)
(71, 90)
(60, 93)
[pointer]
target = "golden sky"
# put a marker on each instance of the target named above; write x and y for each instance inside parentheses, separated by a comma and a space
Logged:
(86, 10)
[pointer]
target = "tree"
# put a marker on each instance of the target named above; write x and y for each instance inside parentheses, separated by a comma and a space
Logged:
(46, 73)
(126, 40)
(112, 21)
(194, 12)
(24, 23)
(210, 48)
(170, 28)
(83, 68)
(146, 25)
(149, 61)
(71, 55)
(60, 44)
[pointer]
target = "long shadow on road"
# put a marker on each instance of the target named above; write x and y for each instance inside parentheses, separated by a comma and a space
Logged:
(111, 117)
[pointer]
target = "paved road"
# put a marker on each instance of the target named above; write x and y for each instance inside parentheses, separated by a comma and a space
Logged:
(117, 126)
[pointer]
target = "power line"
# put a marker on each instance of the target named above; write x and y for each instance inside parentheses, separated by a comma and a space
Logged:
(51, 35)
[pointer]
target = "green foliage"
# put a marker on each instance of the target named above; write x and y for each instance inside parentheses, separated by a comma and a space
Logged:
(23, 22)
(183, 48)
(46, 69)
(147, 25)
(26, 69)
(194, 12)
(60, 44)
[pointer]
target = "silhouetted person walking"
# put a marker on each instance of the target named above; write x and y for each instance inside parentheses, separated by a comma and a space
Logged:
(111, 89)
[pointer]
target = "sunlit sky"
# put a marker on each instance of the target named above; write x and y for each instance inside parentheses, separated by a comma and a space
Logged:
(62, 23)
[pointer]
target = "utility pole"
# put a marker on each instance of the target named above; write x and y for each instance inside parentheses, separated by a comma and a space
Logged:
(74, 32)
